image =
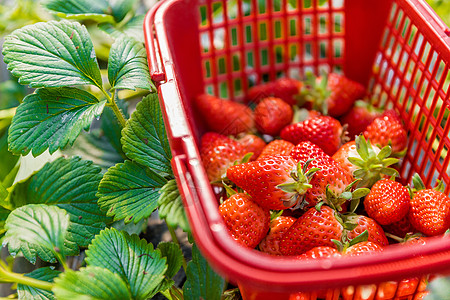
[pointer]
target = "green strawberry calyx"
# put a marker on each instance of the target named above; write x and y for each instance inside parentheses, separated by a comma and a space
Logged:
(336, 200)
(346, 243)
(315, 92)
(299, 186)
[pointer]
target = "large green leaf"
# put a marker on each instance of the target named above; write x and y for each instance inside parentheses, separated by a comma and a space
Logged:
(52, 54)
(172, 252)
(129, 191)
(71, 184)
(144, 137)
(132, 28)
(51, 119)
(36, 229)
(136, 262)
(202, 282)
(90, 283)
(127, 65)
(8, 160)
(26, 292)
(171, 207)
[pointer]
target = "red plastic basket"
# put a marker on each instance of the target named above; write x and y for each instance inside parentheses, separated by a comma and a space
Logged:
(399, 49)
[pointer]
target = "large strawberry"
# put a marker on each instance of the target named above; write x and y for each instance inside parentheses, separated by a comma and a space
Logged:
(359, 117)
(252, 144)
(218, 152)
(400, 228)
(316, 227)
(362, 223)
(246, 221)
(277, 147)
(274, 182)
(224, 116)
(278, 226)
(366, 162)
(388, 129)
(387, 202)
(287, 89)
(333, 94)
(271, 115)
(324, 131)
(429, 209)
(330, 176)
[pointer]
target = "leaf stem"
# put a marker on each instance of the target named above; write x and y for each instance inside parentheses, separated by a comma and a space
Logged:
(20, 278)
(62, 260)
(174, 291)
(112, 103)
(176, 241)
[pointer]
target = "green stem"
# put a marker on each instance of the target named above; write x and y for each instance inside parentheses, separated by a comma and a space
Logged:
(176, 241)
(20, 278)
(176, 293)
(394, 237)
(111, 102)
(62, 260)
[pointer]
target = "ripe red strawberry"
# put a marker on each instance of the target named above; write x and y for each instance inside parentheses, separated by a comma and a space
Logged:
(366, 162)
(363, 248)
(324, 131)
(332, 95)
(320, 252)
(218, 152)
(387, 202)
(430, 212)
(314, 228)
(253, 144)
(271, 115)
(278, 226)
(387, 129)
(400, 228)
(274, 182)
(276, 147)
(375, 232)
(286, 89)
(330, 174)
(246, 221)
(224, 116)
(359, 117)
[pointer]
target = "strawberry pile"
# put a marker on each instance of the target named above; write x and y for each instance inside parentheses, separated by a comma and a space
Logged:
(310, 172)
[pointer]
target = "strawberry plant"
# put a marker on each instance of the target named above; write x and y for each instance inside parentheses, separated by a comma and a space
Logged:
(85, 205)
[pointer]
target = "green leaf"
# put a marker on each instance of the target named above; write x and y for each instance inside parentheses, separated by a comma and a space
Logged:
(202, 282)
(90, 283)
(172, 252)
(28, 292)
(127, 65)
(132, 28)
(4, 213)
(36, 229)
(171, 207)
(134, 260)
(51, 119)
(8, 160)
(144, 137)
(71, 184)
(52, 54)
(129, 191)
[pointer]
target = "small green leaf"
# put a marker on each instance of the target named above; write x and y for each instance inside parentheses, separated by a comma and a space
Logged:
(134, 260)
(172, 252)
(127, 65)
(28, 292)
(129, 191)
(362, 147)
(144, 137)
(384, 153)
(90, 283)
(132, 28)
(36, 229)
(356, 161)
(51, 119)
(359, 193)
(360, 238)
(52, 54)
(202, 282)
(171, 207)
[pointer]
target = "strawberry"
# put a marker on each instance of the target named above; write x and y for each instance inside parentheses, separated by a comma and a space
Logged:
(271, 115)
(363, 248)
(429, 209)
(332, 95)
(246, 221)
(387, 202)
(324, 131)
(224, 116)
(329, 176)
(374, 230)
(388, 129)
(278, 226)
(320, 252)
(400, 228)
(276, 147)
(218, 152)
(314, 228)
(274, 182)
(366, 162)
(252, 144)
(359, 117)
(286, 89)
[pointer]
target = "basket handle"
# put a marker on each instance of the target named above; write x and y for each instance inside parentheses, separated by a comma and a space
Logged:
(157, 73)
